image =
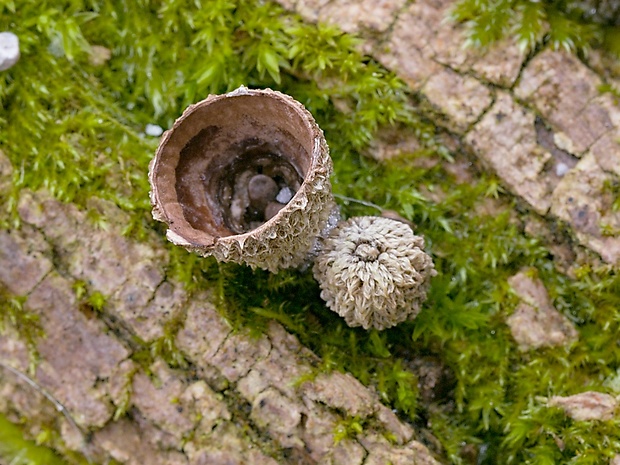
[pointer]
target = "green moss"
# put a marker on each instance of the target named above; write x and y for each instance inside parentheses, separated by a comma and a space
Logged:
(77, 130)
(18, 451)
(146, 353)
(565, 24)
(463, 323)
(25, 324)
(88, 299)
(349, 428)
(611, 188)
(123, 403)
(164, 348)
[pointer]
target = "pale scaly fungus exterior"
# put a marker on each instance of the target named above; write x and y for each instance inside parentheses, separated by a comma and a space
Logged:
(373, 272)
(244, 177)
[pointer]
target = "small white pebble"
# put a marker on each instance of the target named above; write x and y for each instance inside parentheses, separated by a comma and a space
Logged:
(55, 47)
(561, 169)
(99, 55)
(285, 194)
(153, 130)
(9, 50)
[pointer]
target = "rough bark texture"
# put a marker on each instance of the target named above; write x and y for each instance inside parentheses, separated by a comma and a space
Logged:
(587, 406)
(241, 399)
(539, 122)
(535, 322)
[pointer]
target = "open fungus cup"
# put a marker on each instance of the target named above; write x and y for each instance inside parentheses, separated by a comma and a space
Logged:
(244, 177)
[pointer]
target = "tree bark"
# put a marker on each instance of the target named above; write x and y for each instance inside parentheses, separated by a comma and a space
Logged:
(239, 399)
(539, 122)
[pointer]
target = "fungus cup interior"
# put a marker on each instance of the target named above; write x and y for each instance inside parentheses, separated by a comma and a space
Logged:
(231, 163)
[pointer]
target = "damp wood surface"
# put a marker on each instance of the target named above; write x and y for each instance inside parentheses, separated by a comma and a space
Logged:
(132, 350)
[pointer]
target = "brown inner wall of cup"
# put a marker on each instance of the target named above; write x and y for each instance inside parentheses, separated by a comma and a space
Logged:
(226, 136)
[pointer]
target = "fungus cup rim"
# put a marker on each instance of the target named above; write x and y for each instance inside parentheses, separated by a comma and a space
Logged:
(178, 226)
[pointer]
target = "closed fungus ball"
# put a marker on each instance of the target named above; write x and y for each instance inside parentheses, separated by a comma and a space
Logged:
(373, 272)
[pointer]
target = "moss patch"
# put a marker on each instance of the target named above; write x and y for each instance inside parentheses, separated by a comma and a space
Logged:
(19, 451)
(76, 128)
(567, 24)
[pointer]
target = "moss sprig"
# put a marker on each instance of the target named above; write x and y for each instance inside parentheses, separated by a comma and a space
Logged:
(14, 316)
(564, 24)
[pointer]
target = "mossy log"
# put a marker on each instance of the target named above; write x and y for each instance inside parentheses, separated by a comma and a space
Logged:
(108, 356)
(235, 398)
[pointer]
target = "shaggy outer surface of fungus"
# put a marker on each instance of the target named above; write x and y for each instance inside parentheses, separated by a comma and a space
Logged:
(374, 272)
(218, 174)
